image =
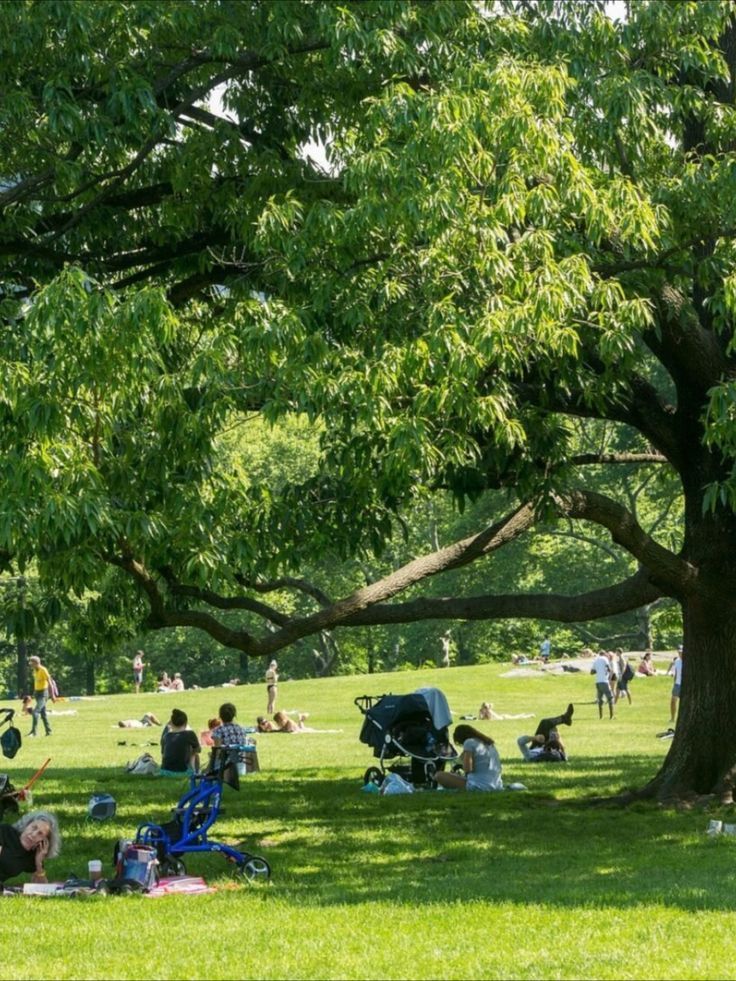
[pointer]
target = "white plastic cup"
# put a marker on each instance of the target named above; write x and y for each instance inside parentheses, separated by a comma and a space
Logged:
(94, 868)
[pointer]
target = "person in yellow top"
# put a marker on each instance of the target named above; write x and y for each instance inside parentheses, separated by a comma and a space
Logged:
(41, 691)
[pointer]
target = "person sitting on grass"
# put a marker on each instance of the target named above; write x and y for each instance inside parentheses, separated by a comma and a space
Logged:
(179, 746)
(25, 845)
(646, 665)
(205, 736)
(164, 682)
(481, 762)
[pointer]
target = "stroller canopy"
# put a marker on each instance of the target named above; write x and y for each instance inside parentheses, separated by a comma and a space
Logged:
(425, 705)
(437, 705)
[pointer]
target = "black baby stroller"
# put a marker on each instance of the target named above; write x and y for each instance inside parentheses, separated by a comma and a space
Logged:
(411, 726)
(194, 815)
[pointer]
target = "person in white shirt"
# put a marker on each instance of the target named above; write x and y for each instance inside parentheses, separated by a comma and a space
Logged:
(675, 669)
(602, 671)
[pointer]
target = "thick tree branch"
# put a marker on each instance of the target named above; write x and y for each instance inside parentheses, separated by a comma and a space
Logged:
(220, 602)
(621, 598)
(673, 575)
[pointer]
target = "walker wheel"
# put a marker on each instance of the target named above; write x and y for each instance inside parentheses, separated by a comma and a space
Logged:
(172, 865)
(255, 869)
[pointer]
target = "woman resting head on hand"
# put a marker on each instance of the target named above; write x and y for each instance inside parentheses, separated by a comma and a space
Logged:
(25, 845)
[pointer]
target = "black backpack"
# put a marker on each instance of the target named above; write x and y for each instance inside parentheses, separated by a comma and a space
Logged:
(10, 742)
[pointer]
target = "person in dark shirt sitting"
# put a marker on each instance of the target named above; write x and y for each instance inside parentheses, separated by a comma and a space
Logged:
(179, 746)
(25, 845)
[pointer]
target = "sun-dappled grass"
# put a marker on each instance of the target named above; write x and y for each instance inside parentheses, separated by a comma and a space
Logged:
(437, 884)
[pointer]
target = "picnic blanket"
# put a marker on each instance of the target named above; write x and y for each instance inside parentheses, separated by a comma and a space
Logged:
(180, 885)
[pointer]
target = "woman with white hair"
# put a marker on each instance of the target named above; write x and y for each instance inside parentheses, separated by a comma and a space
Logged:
(25, 845)
(272, 686)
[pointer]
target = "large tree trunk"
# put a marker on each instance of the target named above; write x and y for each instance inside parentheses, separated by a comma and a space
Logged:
(702, 757)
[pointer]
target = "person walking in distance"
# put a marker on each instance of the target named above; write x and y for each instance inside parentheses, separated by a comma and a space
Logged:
(272, 686)
(602, 671)
(138, 666)
(41, 691)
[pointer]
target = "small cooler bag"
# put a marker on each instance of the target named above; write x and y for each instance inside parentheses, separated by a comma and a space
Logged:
(136, 867)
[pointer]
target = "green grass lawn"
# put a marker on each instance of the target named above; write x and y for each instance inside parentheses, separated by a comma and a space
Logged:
(432, 885)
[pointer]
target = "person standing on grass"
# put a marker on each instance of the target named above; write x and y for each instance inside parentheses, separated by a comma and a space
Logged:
(138, 666)
(481, 763)
(41, 691)
(272, 686)
(602, 671)
(675, 669)
(625, 674)
(545, 649)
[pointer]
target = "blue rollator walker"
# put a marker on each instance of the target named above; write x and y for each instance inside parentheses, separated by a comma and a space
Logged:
(193, 817)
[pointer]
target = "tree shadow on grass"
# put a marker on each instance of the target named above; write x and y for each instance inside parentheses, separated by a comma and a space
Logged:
(341, 846)
(329, 843)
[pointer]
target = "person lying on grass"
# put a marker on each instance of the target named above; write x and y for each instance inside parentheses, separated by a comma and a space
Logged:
(283, 723)
(486, 712)
(537, 749)
(149, 719)
(25, 845)
(481, 762)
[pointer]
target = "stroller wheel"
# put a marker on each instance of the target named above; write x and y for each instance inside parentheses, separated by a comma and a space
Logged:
(373, 775)
(173, 866)
(255, 869)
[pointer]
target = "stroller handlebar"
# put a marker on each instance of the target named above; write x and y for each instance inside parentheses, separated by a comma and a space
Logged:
(365, 702)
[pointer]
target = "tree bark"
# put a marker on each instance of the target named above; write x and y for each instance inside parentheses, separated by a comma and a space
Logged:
(702, 757)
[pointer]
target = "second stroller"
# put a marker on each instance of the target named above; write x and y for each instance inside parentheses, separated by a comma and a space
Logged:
(412, 726)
